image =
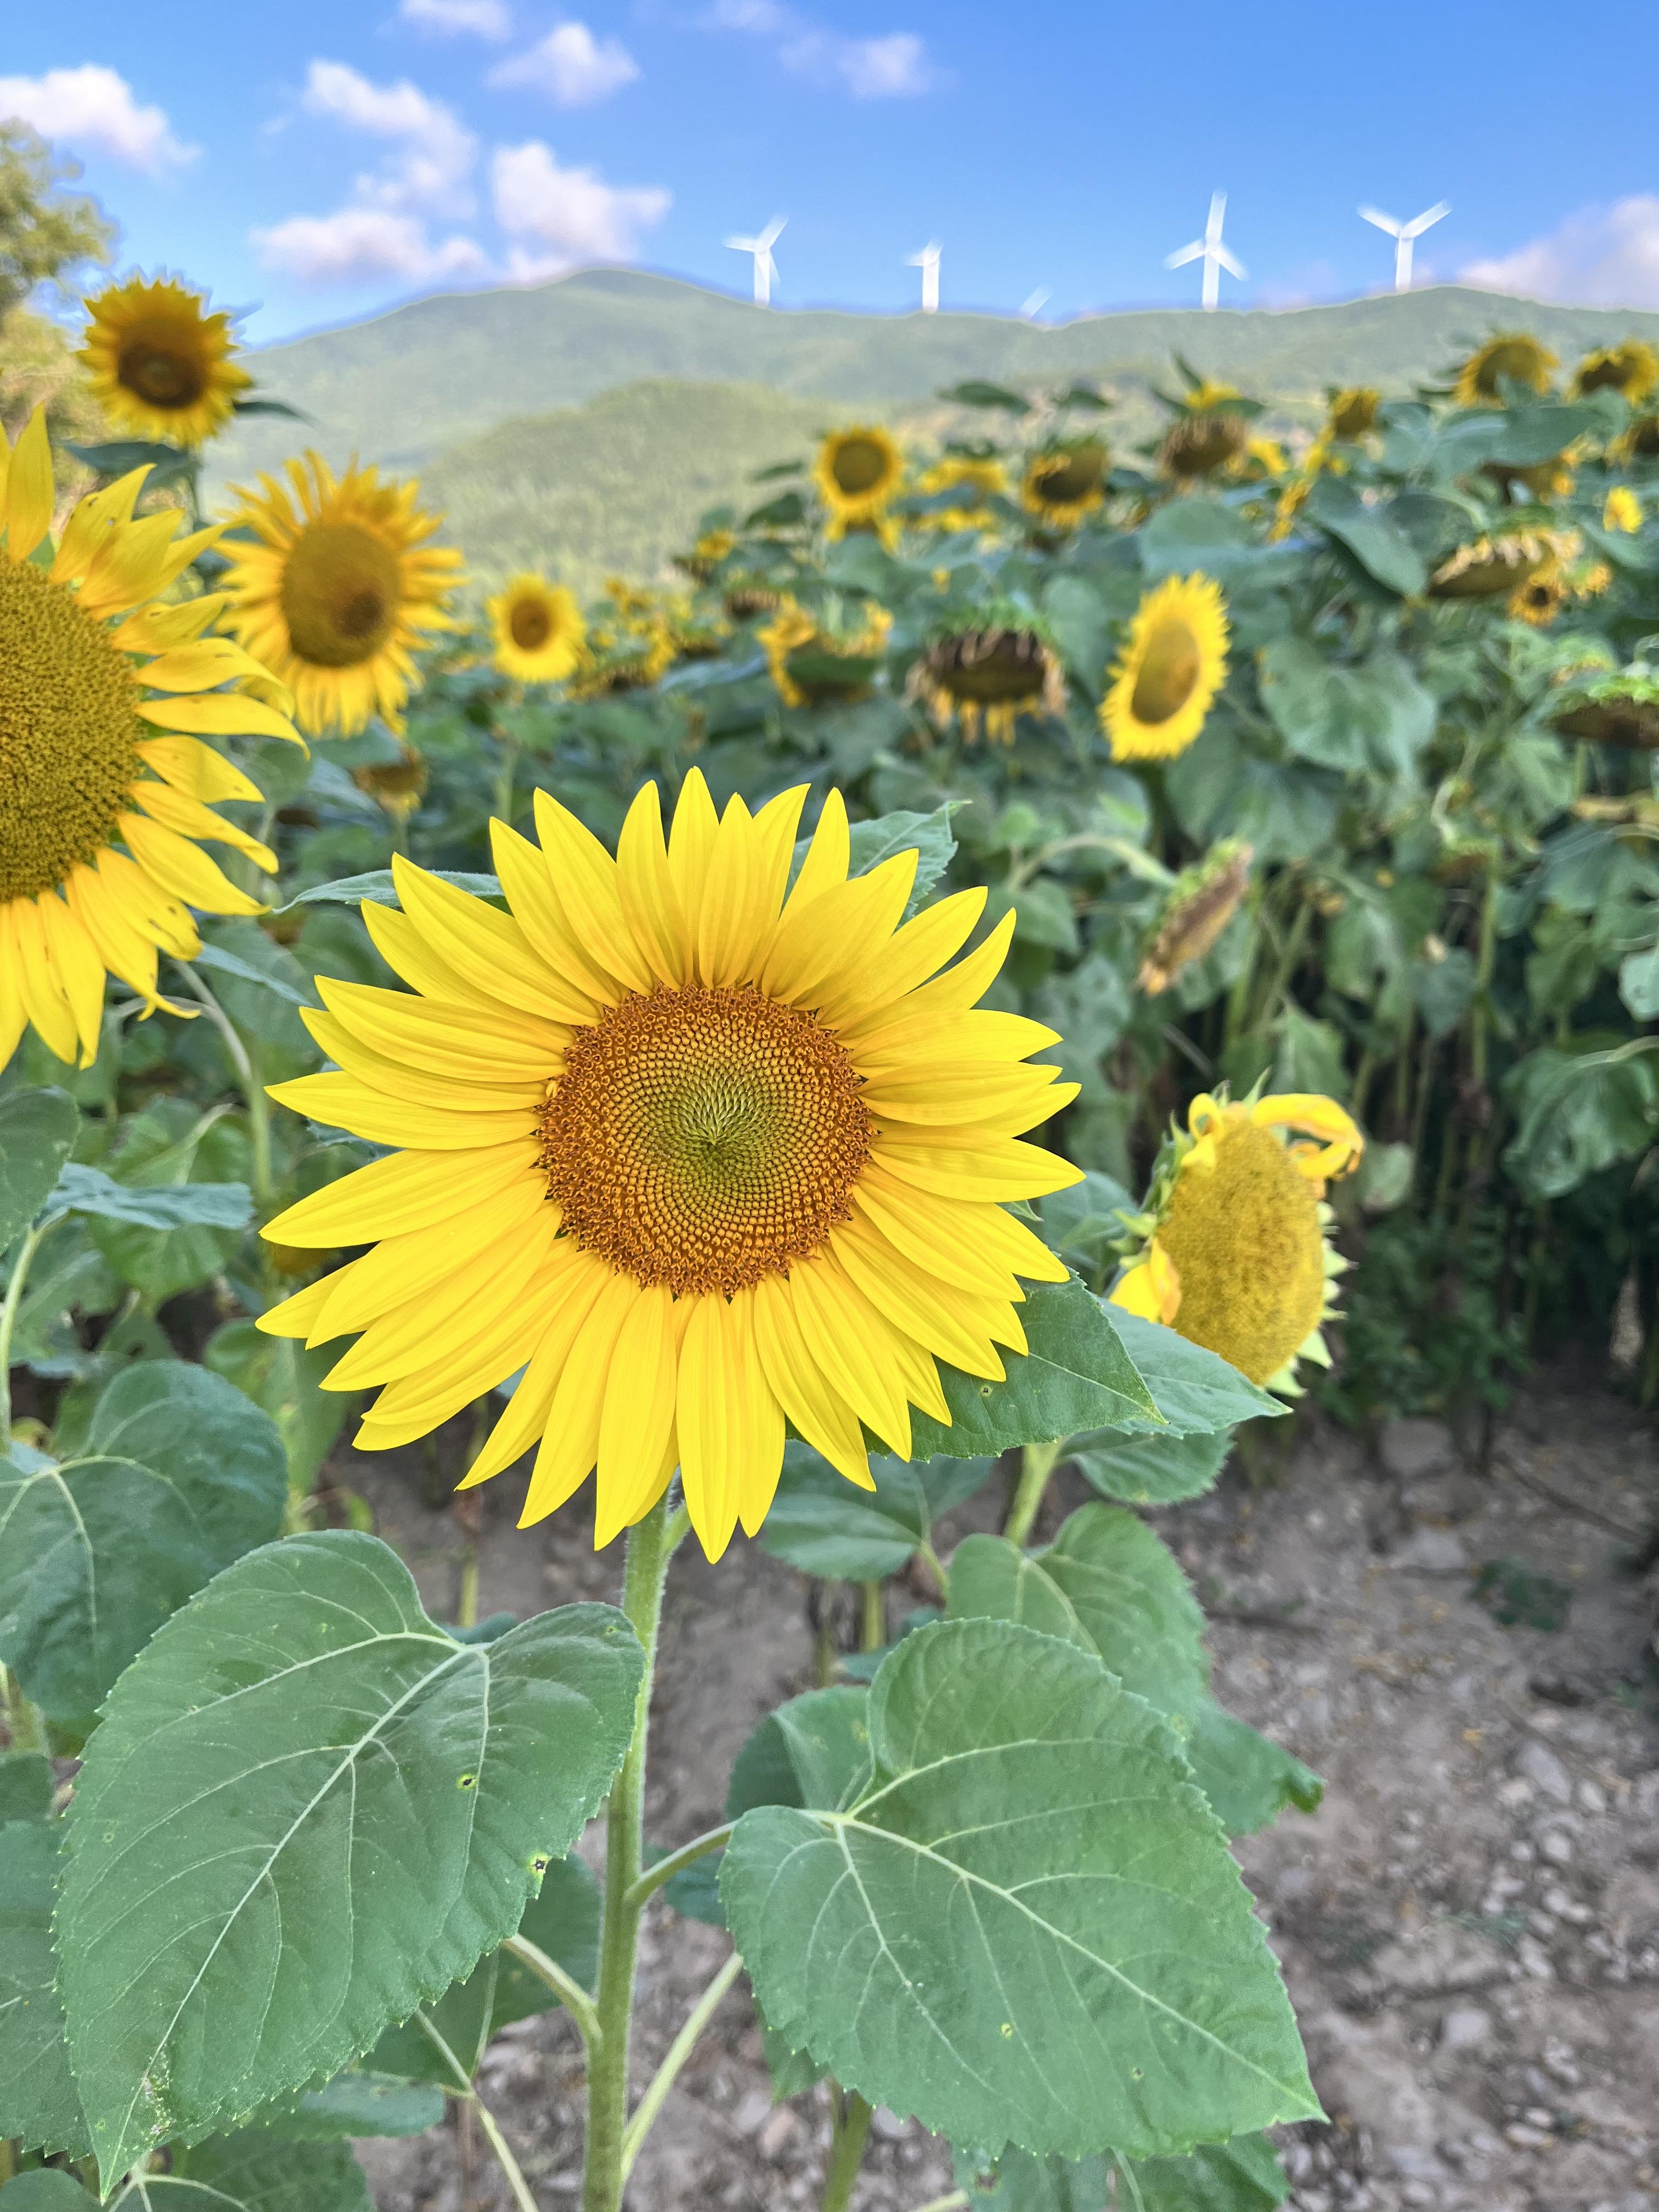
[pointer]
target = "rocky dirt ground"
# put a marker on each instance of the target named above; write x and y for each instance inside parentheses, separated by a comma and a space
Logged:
(1469, 1926)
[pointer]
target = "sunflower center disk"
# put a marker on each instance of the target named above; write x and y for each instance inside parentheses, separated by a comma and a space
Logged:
(859, 465)
(68, 729)
(341, 592)
(161, 373)
(992, 666)
(704, 1138)
(1169, 669)
(1246, 1241)
(531, 624)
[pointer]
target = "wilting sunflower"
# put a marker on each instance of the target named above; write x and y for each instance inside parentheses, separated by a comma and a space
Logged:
(1201, 903)
(857, 471)
(105, 790)
(1540, 596)
(159, 365)
(1631, 369)
(1232, 1251)
(1207, 433)
(1352, 411)
(1510, 357)
(538, 630)
(1487, 567)
(988, 675)
(339, 591)
(1623, 510)
(629, 658)
(701, 1157)
(974, 481)
(1618, 708)
(814, 661)
(1173, 663)
(1065, 482)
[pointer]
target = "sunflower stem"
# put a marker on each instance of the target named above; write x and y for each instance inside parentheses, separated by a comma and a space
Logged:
(28, 1244)
(648, 1555)
(680, 2049)
(873, 1628)
(846, 2152)
(664, 1870)
(253, 1094)
(1037, 1463)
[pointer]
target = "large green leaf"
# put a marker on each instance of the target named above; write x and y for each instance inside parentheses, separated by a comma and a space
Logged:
(1151, 1470)
(1196, 1392)
(825, 1525)
(1109, 1585)
(809, 1752)
(355, 2103)
(37, 1130)
(26, 1786)
(1381, 549)
(285, 1377)
(37, 2101)
(181, 1475)
(1076, 1374)
(1372, 716)
(564, 1920)
(307, 1812)
(1027, 1929)
(1241, 2176)
(377, 888)
(1579, 1112)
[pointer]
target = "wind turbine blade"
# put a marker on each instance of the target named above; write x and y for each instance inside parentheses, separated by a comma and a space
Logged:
(1419, 223)
(1383, 221)
(773, 231)
(1217, 210)
(746, 245)
(1193, 252)
(1231, 263)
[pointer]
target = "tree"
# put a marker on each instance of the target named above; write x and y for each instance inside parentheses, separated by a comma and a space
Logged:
(44, 231)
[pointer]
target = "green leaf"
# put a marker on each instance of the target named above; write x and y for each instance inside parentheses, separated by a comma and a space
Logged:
(259, 2170)
(825, 1525)
(1442, 989)
(928, 834)
(1082, 1223)
(1372, 716)
(38, 1129)
(808, 1753)
(1109, 1585)
(1151, 1470)
(168, 1206)
(166, 464)
(377, 888)
(1638, 983)
(562, 1919)
(1076, 1374)
(1028, 1927)
(307, 1812)
(26, 1786)
(285, 1377)
(1578, 1113)
(975, 392)
(357, 2103)
(1383, 551)
(1196, 1392)
(1241, 2176)
(37, 2101)
(181, 1476)
(47, 2188)
(226, 964)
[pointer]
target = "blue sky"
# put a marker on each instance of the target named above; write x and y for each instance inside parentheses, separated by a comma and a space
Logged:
(317, 160)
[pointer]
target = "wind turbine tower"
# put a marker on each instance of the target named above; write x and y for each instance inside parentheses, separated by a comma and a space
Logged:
(766, 269)
(1405, 236)
(928, 262)
(1212, 252)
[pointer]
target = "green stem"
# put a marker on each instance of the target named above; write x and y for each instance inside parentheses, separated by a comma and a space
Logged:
(846, 2154)
(956, 2201)
(253, 1091)
(664, 1870)
(1238, 997)
(872, 1627)
(1486, 961)
(1290, 960)
(826, 1659)
(27, 1246)
(505, 775)
(463, 2087)
(568, 1990)
(607, 2082)
(678, 2051)
(1037, 1463)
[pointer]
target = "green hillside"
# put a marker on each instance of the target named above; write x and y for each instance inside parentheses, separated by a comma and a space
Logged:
(406, 386)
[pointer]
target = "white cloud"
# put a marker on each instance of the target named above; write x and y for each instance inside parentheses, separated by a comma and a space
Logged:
(436, 153)
(571, 66)
(93, 109)
(560, 217)
(1601, 257)
(893, 67)
(483, 19)
(356, 244)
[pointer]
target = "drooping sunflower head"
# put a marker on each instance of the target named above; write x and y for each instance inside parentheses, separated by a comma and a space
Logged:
(1619, 707)
(1510, 357)
(1631, 369)
(986, 674)
(971, 481)
(1066, 482)
(538, 630)
(106, 789)
(399, 785)
(816, 659)
(1200, 904)
(1622, 510)
(1494, 567)
(704, 1141)
(857, 473)
(159, 364)
(335, 585)
(1205, 438)
(1352, 411)
(1173, 663)
(1231, 1252)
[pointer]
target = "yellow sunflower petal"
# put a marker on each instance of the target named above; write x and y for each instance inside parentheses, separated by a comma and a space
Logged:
(30, 489)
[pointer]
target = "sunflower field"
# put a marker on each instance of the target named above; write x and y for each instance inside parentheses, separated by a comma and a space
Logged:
(1021, 956)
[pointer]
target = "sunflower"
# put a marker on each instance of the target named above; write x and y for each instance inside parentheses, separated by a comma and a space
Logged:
(339, 590)
(158, 364)
(105, 787)
(814, 663)
(700, 1158)
(1173, 663)
(629, 658)
(1065, 482)
(1631, 369)
(990, 674)
(746, 597)
(1201, 903)
(1266, 457)
(1488, 568)
(976, 481)
(1509, 357)
(1540, 596)
(1623, 510)
(1352, 411)
(1232, 1251)
(706, 556)
(857, 473)
(539, 631)
(1206, 434)
(399, 784)
(1620, 708)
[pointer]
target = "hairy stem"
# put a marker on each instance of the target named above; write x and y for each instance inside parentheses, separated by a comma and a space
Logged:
(1037, 1463)
(568, 1990)
(679, 2051)
(28, 1244)
(846, 2154)
(872, 1624)
(664, 1870)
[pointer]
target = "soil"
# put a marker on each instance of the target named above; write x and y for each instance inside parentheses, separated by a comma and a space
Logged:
(1469, 1926)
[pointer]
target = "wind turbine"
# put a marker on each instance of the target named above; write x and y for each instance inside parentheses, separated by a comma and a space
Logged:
(766, 269)
(928, 262)
(1038, 299)
(1405, 236)
(1211, 251)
